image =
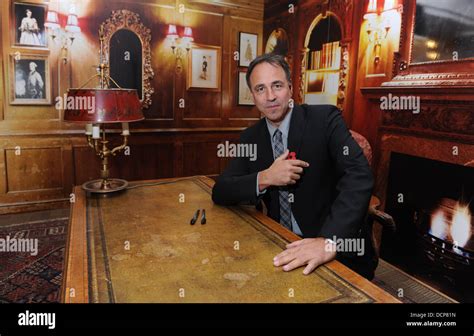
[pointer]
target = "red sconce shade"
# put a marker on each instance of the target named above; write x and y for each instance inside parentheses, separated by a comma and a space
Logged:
(188, 34)
(108, 106)
(73, 24)
(372, 7)
(52, 20)
(172, 32)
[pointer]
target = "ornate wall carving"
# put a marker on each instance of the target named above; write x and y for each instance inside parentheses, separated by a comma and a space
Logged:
(432, 79)
(448, 117)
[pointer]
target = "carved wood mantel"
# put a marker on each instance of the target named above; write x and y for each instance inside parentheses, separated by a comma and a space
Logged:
(446, 111)
(443, 126)
(449, 79)
(445, 90)
(442, 130)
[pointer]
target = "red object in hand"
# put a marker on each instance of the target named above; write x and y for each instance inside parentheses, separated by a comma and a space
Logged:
(291, 156)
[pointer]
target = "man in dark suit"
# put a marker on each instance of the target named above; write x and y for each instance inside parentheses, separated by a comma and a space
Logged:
(322, 194)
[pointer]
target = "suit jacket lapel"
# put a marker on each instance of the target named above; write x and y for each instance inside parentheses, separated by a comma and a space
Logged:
(295, 135)
(265, 150)
(297, 127)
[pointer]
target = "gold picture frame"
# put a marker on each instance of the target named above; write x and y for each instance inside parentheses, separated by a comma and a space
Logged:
(248, 48)
(29, 32)
(127, 21)
(204, 68)
(29, 80)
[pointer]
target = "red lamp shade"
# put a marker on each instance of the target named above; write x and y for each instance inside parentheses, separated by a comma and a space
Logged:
(52, 20)
(371, 13)
(188, 34)
(372, 7)
(102, 106)
(73, 24)
(389, 5)
(172, 32)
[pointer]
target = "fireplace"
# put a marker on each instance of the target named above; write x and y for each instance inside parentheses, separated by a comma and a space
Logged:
(432, 203)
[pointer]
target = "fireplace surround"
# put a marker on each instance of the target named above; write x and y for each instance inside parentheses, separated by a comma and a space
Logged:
(432, 203)
(442, 131)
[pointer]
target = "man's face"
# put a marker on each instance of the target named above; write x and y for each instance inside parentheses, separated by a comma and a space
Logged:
(271, 91)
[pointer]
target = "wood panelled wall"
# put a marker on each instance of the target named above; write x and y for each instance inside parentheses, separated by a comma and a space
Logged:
(42, 157)
(298, 20)
(444, 87)
(360, 73)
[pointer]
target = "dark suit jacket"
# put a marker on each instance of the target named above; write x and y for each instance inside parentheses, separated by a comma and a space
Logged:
(333, 194)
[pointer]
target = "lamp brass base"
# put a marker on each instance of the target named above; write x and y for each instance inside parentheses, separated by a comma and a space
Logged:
(103, 187)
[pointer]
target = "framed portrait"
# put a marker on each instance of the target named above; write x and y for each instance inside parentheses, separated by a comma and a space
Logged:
(277, 42)
(244, 96)
(204, 68)
(29, 29)
(247, 48)
(29, 80)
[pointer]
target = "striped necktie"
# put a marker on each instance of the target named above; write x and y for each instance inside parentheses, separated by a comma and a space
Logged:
(285, 207)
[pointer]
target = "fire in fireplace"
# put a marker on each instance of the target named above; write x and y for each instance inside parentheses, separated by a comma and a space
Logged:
(432, 204)
(446, 237)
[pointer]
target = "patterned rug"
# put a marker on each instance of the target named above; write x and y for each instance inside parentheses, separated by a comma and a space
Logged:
(27, 278)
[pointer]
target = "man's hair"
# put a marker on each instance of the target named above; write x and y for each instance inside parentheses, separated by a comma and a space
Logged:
(273, 59)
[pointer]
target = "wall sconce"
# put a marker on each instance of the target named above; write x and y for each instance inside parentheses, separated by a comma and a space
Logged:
(66, 36)
(178, 42)
(379, 23)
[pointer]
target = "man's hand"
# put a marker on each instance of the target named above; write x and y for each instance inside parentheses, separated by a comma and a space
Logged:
(282, 172)
(310, 251)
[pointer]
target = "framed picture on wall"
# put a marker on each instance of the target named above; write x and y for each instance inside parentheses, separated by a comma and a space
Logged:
(204, 68)
(244, 96)
(29, 80)
(277, 42)
(29, 29)
(248, 44)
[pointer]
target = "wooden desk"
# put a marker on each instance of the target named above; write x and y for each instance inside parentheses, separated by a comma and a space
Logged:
(139, 246)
